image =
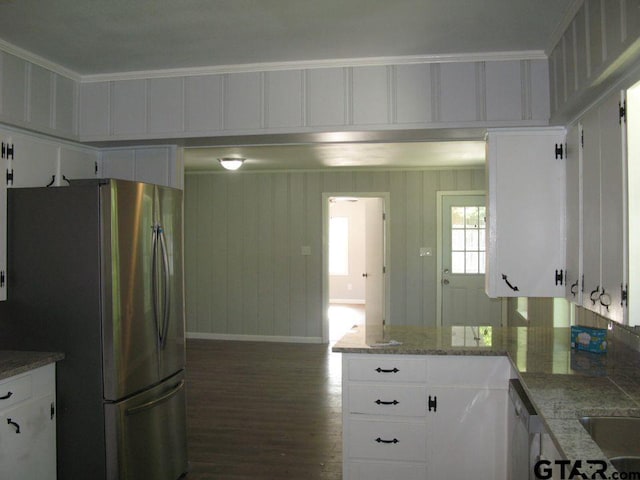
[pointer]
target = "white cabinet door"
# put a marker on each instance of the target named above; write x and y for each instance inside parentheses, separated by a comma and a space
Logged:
(603, 207)
(3, 230)
(34, 161)
(28, 439)
(526, 202)
(573, 264)
(76, 164)
(468, 434)
(158, 165)
(613, 193)
(591, 212)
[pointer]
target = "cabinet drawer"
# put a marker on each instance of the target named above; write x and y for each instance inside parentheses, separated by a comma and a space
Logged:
(469, 371)
(386, 368)
(387, 440)
(402, 400)
(386, 471)
(14, 390)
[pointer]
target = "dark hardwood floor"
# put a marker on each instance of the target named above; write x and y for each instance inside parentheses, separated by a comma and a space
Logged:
(260, 410)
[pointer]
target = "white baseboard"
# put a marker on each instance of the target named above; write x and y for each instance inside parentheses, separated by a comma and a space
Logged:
(252, 338)
(351, 301)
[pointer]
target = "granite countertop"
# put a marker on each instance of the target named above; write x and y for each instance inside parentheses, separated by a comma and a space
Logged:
(563, 384)
(14, 362)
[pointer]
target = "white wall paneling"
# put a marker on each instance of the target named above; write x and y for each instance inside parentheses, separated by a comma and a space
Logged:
(598, 47)
(203, 103)
(40, 97)
(129, 107)
(95, 99)
(64, 120)
(243, 108)
(244, 270)
(14, 88)
(284, 99)
(37, 98)
(326, 97)
(165, 111)
(429, 95)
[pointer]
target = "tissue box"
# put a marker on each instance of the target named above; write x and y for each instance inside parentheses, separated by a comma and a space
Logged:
(589, 339)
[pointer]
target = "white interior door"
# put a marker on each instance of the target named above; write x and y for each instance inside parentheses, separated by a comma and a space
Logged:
(374, 269)
(463, 297)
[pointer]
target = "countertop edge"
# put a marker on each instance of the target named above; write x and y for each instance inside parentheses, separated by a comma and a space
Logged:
(15, 362)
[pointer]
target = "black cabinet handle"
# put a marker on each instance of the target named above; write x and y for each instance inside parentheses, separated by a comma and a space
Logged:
(14, 424)
(607, 299)
(574, 288)
(382, 370)
(8, 395)
(506, 280)
(382, 402)
(380, 440)
(595, 295)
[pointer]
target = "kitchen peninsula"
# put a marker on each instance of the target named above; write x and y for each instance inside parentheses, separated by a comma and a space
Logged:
(563, 385)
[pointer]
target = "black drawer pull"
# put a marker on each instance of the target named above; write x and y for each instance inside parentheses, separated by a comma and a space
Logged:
(14, 424)
(382, 370)
(380, 440)
(381, 402)
(8, 395)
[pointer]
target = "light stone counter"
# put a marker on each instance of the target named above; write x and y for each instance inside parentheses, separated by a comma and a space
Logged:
(563, 384)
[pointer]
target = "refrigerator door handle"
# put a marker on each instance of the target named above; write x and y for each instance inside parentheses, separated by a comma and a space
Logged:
(149, 405)
(166, 288)
(154, 282)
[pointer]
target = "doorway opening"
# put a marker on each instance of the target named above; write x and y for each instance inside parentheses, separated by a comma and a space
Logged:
(354, 269)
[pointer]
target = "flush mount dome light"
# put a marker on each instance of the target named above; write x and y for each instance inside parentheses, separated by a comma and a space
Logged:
(231, 163)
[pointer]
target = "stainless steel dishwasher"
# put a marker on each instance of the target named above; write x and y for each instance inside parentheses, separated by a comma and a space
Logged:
(525, 428)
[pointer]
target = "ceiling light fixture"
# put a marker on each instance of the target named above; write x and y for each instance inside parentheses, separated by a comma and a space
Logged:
(231, 163)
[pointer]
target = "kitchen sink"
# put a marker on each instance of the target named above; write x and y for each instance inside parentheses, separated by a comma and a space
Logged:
(618, 438)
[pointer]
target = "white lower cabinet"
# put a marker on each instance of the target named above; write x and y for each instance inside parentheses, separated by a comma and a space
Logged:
(28, 425)
(413, 417)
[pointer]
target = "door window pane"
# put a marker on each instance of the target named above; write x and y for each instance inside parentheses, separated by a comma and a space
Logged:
(468, 235)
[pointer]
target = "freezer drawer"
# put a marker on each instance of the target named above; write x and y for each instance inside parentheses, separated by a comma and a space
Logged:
(146, 434)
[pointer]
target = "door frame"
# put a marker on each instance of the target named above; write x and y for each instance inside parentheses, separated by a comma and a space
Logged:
(386, 198)
(439, 197)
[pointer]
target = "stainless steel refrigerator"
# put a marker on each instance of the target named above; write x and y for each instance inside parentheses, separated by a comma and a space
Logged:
(95, 271)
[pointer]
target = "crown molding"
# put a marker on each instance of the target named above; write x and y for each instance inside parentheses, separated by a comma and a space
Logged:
(558, 32)
(38, 60)
(315, 64)
(271, 66)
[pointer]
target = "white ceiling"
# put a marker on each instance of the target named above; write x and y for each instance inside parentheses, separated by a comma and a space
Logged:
(93, 37)
(105, 36)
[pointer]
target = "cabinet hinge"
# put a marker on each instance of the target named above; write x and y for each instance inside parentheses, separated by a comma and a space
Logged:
(384, 269)
(582, 138)
(560, 151)
(52, 411)
(559, 277)
(2, 278)
(9, 177)
(624, 295)
(7, 150)
(384, 216)
(622, 112)
(95, 168)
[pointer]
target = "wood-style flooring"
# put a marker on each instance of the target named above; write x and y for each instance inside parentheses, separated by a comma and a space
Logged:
(260, 410)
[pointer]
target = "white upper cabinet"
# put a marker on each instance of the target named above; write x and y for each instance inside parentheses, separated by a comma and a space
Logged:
(76, 163)
(128, 107)
(165, 105)
(162, 165)
(603, 209)
(526, 213)
(573, 264)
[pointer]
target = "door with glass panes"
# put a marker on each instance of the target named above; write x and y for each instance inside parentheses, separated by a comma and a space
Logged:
(464, 301)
